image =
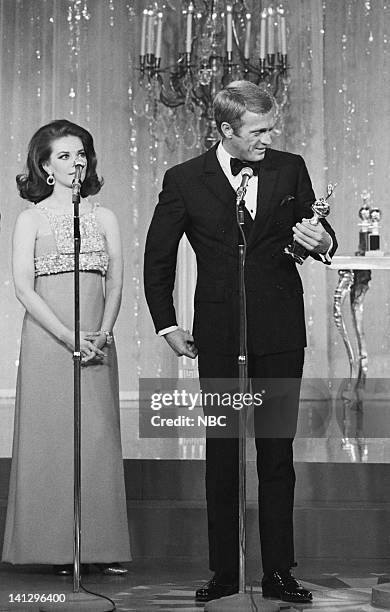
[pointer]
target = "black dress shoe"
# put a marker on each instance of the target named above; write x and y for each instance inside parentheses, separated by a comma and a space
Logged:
(213, 589)
(112, 569)
(283, 585)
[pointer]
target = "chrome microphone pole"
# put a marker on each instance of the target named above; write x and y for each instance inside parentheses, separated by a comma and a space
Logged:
(243, 386)
(76, 186)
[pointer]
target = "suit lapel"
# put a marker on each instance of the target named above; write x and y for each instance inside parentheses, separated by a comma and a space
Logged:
(216, 181)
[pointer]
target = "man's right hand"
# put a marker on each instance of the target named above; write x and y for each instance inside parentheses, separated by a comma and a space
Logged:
(182, 342)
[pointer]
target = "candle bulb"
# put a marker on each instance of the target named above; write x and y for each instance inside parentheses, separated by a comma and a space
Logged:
(271, 41)
(262, 34)
(229, 29)
(279, 31)
(189, 28)
(143, 32)
(159, 35)
(150, 32)
(247, 35)
(283, 36)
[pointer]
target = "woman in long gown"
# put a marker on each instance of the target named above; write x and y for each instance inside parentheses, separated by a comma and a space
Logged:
(39, 524)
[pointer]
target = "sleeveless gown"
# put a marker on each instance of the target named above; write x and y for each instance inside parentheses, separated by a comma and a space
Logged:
(39, 523)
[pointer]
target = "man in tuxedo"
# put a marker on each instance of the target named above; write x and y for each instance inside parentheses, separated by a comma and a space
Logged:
(198, 198)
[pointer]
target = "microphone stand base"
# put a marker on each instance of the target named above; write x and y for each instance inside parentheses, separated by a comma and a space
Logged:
(79, 601)
(242, 602)
(380, 597)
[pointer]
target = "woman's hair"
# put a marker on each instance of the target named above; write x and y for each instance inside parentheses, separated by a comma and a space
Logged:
(231, 103)
(32, 185)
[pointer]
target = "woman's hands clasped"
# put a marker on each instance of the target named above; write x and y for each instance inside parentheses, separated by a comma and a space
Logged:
(91, 344)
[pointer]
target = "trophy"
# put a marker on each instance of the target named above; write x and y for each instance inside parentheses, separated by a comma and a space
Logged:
(321, 209)
(374, 247)
(365, 225)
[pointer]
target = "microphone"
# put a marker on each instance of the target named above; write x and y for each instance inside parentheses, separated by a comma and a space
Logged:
(246, 174)
(79, 164)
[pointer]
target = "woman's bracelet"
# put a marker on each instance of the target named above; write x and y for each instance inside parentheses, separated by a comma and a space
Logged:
(108, 335)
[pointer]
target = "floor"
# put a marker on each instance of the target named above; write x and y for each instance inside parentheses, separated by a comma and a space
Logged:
(158, 587)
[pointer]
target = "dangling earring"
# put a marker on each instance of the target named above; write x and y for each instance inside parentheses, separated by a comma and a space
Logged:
(50, 180)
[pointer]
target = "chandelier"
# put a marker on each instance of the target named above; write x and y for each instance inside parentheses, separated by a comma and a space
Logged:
(219, 41)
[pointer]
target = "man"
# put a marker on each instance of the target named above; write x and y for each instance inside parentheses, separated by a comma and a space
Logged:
(199, 198)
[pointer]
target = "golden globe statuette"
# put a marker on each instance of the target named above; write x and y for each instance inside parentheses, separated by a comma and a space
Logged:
(364, 225)
(374, 244)
(321, 209)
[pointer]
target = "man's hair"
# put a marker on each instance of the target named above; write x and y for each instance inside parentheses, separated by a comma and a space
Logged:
(231, 103)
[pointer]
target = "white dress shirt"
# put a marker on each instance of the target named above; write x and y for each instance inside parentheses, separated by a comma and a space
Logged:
(251, 194)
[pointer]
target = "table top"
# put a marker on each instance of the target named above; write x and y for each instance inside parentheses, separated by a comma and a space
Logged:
(360, 262)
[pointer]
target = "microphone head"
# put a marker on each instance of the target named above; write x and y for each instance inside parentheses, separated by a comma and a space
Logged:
(80, 161)
(247, 171)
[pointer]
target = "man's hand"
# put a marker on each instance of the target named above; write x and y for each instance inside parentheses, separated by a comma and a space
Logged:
(313, 237)
(182, 342)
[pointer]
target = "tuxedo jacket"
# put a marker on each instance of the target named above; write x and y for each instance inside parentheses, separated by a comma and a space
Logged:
(198, 200)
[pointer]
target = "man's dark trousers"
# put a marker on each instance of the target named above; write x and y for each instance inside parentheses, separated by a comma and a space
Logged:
(274, 466)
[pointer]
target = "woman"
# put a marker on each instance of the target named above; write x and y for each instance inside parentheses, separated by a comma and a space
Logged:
(39, 525)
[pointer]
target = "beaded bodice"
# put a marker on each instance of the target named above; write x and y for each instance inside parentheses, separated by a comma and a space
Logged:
(60, 258)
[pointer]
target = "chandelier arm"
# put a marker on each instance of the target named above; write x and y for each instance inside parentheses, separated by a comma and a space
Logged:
(165, 97)
(275, 83)
(171, 103)
(203, 100)
(253, 70)
(176, 84)
(172, 67)
(276, 80)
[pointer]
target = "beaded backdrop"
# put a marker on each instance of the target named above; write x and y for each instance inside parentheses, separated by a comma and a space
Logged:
(78, 59)
(357, 137)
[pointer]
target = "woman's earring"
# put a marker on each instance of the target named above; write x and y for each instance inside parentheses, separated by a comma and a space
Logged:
(50, 180)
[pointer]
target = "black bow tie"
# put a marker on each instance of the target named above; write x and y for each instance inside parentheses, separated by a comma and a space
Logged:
(237, 165)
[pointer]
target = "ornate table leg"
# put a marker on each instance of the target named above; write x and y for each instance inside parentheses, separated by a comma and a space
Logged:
(346, 392)
(358, 292)
(346, 279)
(355, 282)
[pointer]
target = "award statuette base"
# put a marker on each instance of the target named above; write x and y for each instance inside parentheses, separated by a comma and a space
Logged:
(363, 243)
(79, 601)
(374, 246)
(242, 602)
(297, 252)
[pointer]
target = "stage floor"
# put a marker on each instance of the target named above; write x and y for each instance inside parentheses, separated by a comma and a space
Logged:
(156, 587)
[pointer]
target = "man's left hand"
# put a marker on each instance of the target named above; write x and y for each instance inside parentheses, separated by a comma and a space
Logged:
(314, 238)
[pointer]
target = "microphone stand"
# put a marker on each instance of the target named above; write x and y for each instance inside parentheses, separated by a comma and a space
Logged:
(79, 599)
(243, 387)
(242, 601)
